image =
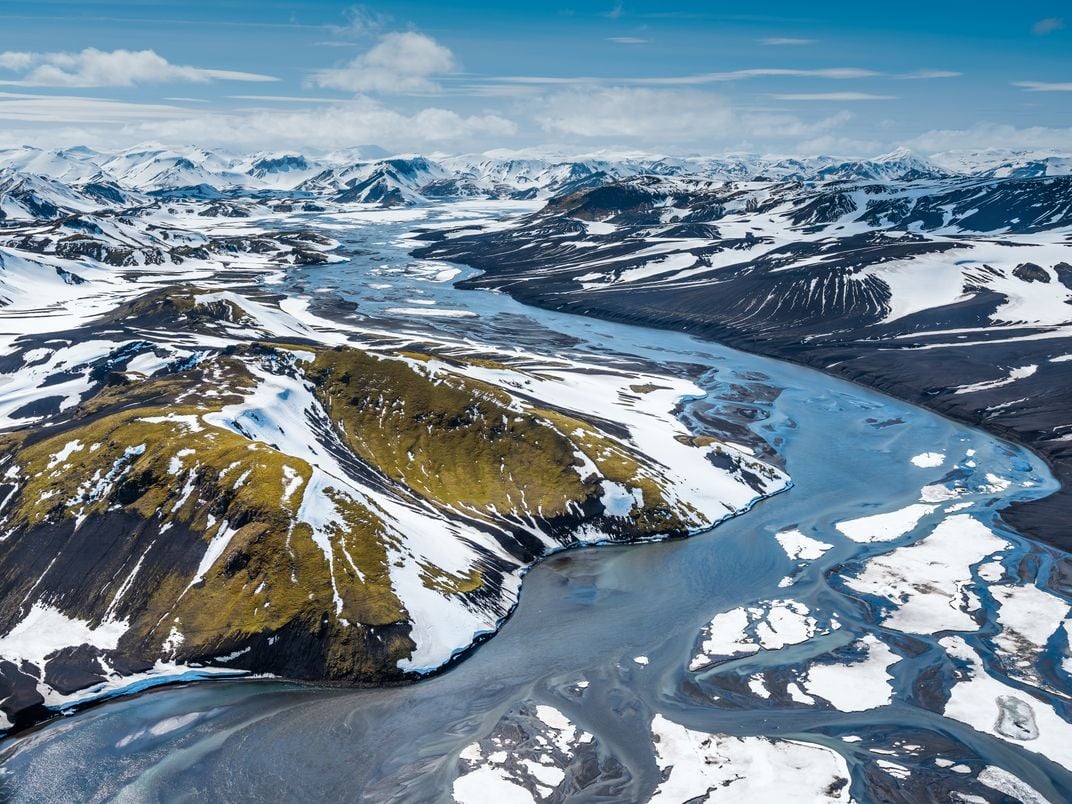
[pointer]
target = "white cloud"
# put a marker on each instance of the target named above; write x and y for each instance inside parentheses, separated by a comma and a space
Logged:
(399, 63)
(1043, 86)
(994, 135)
(832, 96)
(833, 73)
(76, 109)
(627, 40)
(670, 116)
(16, 60)
(116, 68)
(785, 41)
(1047, 26)
(71, 120)
(630, 113)
(923, 75)
(361, 122)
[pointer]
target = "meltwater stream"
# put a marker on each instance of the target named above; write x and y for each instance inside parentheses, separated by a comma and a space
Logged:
(610, 637)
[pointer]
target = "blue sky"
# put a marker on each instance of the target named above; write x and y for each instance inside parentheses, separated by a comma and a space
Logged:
(661, 77)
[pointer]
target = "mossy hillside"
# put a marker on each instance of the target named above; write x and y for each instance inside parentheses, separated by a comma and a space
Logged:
(456, 441)
(618, 464)
(143, 448)
(139, 456)
(461, 441)
(163, 463)
(158, 462)
(362, 567)
(271, 578)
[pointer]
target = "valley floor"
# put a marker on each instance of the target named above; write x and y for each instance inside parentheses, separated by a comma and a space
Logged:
(877, 632)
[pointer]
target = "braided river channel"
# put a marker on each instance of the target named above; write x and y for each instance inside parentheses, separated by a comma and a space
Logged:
(876, 625)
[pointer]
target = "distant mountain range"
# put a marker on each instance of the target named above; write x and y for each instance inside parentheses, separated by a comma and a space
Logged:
(64, 178)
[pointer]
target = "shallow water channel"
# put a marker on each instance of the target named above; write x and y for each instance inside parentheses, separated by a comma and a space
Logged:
(586, 615)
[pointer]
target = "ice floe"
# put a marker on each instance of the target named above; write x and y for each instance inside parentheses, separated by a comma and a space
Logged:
(925, 585)
(799, 546)
(1004, 782)
(711, 767)
(855, 685)
(884, 527)
(770, 625)
(929, 460)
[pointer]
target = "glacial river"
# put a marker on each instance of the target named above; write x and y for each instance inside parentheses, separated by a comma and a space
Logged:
(605, 635)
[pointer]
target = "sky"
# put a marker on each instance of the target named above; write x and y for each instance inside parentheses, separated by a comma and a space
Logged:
(559, 76)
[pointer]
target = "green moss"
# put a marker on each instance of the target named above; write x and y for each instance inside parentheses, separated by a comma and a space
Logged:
(449, 584)
(145, 450)
(456, 442)
(453, 440)
(140, 458)
(362, 569)
(619, 465)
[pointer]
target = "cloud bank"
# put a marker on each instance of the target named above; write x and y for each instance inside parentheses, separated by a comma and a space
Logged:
(102, 68)
(403, 62)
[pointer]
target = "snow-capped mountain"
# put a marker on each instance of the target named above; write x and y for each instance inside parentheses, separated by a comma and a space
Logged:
(28, 196)
(163, 169)
(354, 177)
(390, 182)
(70, 165)
(994, 163)
(899, 165)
